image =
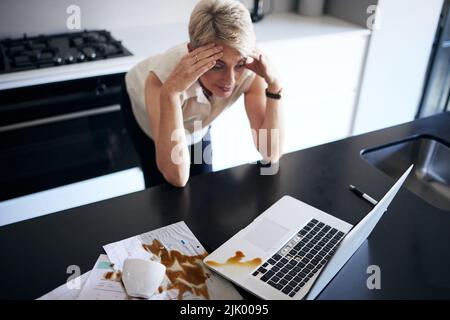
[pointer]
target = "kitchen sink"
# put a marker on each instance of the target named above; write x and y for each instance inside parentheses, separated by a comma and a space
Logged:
(430, 178)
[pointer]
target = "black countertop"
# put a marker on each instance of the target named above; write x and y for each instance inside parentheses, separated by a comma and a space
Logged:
(411, 244)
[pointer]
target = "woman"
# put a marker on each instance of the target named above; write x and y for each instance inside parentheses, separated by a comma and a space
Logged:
(176, 95)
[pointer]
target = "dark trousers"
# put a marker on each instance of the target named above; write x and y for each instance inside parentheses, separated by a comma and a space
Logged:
(145, 147)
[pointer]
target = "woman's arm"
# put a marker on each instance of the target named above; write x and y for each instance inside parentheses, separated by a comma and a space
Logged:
(163, 104)
(266, 117)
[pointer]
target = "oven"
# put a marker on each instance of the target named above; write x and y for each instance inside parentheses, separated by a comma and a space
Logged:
(53, 134)
(58, 133)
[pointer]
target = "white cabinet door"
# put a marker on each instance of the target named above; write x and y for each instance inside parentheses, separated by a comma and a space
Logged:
(320, 77)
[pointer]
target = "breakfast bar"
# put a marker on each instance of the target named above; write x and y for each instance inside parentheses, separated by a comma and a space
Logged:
(410, 245)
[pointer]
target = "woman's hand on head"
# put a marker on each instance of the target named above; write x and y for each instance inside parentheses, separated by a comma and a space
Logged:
(259, 64)
(192, 66)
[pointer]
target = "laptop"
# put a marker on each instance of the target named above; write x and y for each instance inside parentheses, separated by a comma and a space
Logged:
(293, 250)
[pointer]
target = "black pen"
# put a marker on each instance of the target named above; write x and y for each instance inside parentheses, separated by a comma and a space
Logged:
(363, 195)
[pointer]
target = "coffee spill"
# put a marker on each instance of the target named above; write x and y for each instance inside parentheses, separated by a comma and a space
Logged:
(113, 276)
(185, 273)
(236, 261)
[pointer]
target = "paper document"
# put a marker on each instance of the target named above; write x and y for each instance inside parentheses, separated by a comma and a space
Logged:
(103, 283)
(66, 292)
(177, 248)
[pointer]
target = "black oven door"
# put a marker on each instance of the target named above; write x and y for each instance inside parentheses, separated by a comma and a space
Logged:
(59, 133)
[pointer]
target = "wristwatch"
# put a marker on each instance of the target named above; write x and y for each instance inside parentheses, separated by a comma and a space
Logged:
(272, 95)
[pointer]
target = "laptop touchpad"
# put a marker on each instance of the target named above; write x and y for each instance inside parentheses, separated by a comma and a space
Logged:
(265, 234)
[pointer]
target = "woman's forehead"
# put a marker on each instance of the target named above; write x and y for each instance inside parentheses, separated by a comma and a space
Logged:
(231, 55)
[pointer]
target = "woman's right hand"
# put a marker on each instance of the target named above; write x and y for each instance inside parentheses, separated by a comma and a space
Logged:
(192, 66)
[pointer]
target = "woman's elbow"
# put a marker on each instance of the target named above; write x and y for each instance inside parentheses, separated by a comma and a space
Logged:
(177, 180)
(176, 175)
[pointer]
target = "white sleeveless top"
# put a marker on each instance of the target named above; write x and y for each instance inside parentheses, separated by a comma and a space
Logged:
(195, 105)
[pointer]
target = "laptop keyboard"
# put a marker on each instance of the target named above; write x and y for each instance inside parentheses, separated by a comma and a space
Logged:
(301, 257)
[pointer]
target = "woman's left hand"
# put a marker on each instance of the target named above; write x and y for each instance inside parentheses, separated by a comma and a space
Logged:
(259, 64)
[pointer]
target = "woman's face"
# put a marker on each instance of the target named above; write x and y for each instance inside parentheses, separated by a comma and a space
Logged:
(222, 78)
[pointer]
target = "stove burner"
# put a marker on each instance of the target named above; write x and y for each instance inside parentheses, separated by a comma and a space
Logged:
(46, 51)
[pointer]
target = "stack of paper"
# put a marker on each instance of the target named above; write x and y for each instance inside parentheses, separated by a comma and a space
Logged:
(175, 246)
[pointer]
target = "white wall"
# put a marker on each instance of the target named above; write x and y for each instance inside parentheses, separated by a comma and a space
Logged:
(396, 63)
(49, 16)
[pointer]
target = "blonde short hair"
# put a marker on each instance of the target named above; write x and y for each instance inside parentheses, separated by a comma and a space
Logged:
(227, 21)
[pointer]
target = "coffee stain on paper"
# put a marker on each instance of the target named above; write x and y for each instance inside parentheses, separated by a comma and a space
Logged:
(113, 276)
(185, 273)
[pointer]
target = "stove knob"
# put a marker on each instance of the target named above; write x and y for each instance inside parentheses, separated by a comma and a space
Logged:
(69, 58)
(92, 55)
(58, 60)
(81, 57)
